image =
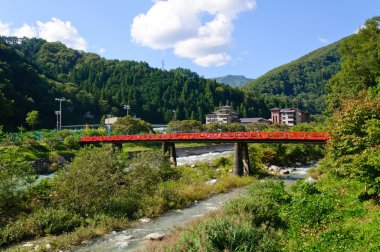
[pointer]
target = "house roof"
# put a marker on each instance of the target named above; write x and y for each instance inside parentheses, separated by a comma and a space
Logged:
(252, 120)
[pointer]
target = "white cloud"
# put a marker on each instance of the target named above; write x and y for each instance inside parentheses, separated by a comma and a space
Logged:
(25, 31)
(102, 50)
(323, 40)
(57, 30)
(53, 30)
(180, 25)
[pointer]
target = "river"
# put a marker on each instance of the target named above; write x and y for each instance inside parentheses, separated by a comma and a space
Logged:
(133, 238)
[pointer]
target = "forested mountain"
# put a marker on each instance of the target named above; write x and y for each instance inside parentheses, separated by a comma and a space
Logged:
(233, 80)
(33, 72)
(301, 82)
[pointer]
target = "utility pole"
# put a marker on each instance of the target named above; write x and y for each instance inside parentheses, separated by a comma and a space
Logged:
(127, 107)
(60, 100)
(108, 124)
(57, 114)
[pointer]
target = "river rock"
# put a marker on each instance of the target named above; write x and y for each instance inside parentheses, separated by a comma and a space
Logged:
(48, 246)
(28, 245)
(154, 237)
(310, 180)
(284, 172)
(274, 168)
(211, 182)
(144, 220)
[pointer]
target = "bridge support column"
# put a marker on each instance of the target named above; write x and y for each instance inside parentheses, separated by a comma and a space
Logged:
(241, 159)
(170, 147)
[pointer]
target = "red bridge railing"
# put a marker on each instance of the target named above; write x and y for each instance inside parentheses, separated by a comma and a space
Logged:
(277, 136)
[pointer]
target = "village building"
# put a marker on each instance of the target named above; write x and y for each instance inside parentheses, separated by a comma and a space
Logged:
(224, 114)
(288, 116)
(255, 120)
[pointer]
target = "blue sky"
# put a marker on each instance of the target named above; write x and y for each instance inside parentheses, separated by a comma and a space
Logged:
(211, 37)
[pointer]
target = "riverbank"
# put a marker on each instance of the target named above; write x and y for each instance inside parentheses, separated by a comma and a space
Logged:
(183, 186)
(324, 215)
(136, 238)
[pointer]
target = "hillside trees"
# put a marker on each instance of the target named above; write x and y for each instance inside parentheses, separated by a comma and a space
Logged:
(360, 65)
(129, 125)
(355, 148)
(32, 118)
(299, 83)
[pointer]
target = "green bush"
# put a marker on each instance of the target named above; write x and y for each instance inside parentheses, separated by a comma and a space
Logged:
(55, 221)
(15, 169)
(15, 232)
(310, 208)
(130, 125)
(94, 176)
(72, 142)
(222, 235)
(184, 126)
(172, 199)
(263, 203)
(124, 204)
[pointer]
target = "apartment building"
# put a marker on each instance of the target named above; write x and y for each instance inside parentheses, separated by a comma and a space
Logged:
(288, 116)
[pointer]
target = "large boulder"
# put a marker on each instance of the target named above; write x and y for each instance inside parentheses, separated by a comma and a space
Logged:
(310, 180)
(154, 237)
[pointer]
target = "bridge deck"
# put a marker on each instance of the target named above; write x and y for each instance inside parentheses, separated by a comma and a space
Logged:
(252, 137)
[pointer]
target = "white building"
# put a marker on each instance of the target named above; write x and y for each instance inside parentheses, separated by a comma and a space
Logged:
(224, 114)
(109, 121)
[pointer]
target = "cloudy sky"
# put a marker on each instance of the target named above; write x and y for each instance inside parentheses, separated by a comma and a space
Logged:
(211, 37)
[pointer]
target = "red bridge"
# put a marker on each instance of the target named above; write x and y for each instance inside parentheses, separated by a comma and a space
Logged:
(252, 137)
(241, 158)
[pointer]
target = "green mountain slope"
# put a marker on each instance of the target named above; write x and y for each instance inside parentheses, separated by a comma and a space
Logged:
(299, 82)
(233, 80)
(33, 72)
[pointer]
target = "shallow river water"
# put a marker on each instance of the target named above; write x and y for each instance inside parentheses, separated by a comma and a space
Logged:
(133, 238)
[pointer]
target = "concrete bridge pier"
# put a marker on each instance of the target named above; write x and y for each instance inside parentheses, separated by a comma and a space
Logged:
(241, 159)
(170, 147)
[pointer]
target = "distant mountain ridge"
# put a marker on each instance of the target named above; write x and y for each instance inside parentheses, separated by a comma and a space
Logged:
(233, 80)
